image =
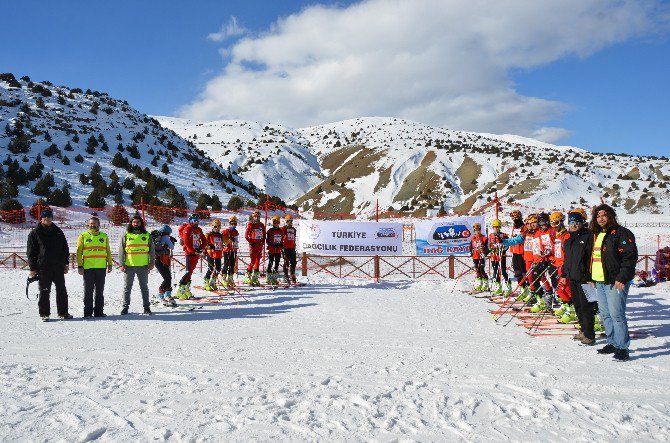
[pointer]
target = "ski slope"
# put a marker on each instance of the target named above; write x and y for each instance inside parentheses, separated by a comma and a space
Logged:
(332, 361)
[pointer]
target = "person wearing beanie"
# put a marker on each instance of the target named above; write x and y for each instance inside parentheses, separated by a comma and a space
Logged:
(48, 255)
(164, 245)
(577, 250)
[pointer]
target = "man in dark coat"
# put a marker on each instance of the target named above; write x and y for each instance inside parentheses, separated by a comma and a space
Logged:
(48, 255)
(576, 268)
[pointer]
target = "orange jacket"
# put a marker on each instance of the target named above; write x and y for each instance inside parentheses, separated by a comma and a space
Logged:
(517, 249)
(290, 236)
(559, 253)
(528, 244)
(255, 233)
(233, 236)
(478, 246)
(543, 247)
(215, 244)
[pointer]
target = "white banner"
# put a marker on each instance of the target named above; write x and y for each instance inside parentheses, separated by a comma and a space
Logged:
(350, 238)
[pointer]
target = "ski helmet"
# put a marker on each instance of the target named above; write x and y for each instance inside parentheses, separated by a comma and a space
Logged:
(543, 219)
(476, 226)
(275, 220)
(256, 214)
(288, 217)
(496, 223)
(166, 229)
(556, 217)
(232, 220)
(515, 214)
(216, 223)
(194, 218)
(532, 218)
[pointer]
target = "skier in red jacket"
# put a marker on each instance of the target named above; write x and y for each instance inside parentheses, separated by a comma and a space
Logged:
(255, 235)
(193, 242)
(478, 251)
(289, 239)
(274, 239)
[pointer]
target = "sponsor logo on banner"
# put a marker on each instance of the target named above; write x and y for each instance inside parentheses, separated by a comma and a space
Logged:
(445, 236)
(386, 233)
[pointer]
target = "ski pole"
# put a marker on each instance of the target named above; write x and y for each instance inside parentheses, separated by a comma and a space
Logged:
(507, 306)
(516, 289)
(513, 316)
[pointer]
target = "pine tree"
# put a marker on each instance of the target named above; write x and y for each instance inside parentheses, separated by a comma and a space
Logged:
(43, 186)
(95, 200)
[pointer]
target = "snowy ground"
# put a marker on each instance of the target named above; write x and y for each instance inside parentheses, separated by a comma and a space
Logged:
(413, 361)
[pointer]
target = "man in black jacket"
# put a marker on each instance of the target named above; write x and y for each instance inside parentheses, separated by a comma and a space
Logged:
(576, 268)
(612, 268)
(48, 255)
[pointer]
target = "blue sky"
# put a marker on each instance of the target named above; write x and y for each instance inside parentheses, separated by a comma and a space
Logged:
(605, 87)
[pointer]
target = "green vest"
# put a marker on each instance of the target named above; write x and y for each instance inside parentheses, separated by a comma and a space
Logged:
(597, 271)
(94, 250)
(137, 249)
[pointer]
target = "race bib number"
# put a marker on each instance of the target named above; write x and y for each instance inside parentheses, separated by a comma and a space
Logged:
(258, 234)
(290, 236)
(537, 246)
(558, 249)
(528, 245)
(196, 241)
(234, 243)
(277, 238)
(218, 245)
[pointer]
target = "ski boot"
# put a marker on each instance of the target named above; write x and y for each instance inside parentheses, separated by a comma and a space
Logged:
(561, 309)
(224, 282)
(521, 294)
(566, 317)
(230, 281)
(478, 284)
(247, 278)
(485, 284)
(168, 300)
(597, 326)
(269, 278)
(293, 279)
(207, 285)
(212, 283)
(539, 305)
(181, 292)
(497, 288)
(254, 278)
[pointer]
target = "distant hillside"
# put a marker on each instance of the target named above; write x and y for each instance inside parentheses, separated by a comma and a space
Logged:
(57, 142)
(346, 166)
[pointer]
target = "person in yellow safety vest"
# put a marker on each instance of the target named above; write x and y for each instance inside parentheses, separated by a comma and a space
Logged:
(93, 259)
(136, 256)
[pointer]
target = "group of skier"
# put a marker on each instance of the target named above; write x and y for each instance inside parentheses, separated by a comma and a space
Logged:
(564, 269)
(139, 251)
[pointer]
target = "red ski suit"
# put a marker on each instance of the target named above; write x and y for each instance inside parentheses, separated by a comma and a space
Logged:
(255, 235)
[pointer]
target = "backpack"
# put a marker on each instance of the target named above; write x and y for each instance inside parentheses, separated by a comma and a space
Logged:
(156, 236)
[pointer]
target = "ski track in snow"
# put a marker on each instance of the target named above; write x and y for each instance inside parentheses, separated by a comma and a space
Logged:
(410, 361)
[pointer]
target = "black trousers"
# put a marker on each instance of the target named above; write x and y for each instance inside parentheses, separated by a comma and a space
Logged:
(480, 267)
(519, 267)
(290, 260)
(273, 260)
(213, 267)
(166, 273)
(47, 278)
(585, 310)
(229, 259)
(94, 279)
(500, 268)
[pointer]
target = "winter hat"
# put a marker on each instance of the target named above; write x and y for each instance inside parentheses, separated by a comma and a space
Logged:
(576, 217)
(46, 213)
(166, 229)
(194, 218)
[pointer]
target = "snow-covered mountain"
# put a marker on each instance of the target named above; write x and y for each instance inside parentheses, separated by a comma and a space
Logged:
(54, 131)
(346, 166)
